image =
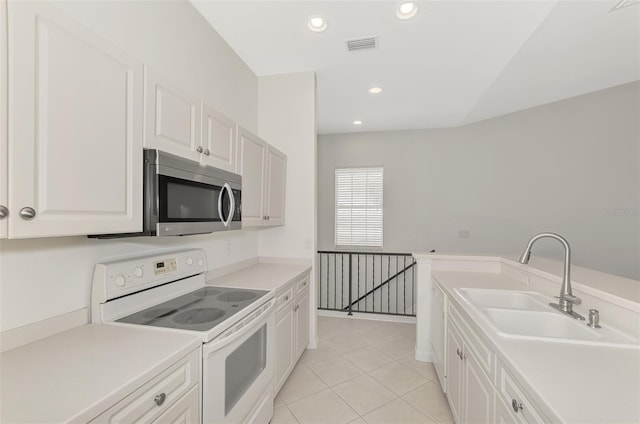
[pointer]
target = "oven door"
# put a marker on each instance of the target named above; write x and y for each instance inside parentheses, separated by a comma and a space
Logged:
(238, 371)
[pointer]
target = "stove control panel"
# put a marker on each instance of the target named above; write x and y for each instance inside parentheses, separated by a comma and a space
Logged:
(119, 278)
(166, 265)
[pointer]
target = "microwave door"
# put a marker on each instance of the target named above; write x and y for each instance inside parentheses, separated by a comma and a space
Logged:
(189, 207)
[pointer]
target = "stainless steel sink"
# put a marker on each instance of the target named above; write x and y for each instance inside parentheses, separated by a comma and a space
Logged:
(526, 315)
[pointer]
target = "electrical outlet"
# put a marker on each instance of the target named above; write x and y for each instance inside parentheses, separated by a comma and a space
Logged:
(524, 279)
(464, 234)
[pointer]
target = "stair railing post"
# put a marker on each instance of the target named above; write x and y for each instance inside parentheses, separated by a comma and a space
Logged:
(350, 287)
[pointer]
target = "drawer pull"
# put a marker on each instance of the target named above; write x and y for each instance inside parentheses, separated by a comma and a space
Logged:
(159, 399)
(516, 406)
(286, 298)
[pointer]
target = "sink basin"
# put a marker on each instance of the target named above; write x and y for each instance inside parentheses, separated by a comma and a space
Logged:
(488, 298)
(527, 315)
(552, 325)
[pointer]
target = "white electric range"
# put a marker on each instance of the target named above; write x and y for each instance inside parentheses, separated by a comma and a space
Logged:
(237, 326)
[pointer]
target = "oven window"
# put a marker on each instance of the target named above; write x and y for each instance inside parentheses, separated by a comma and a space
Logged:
(187, 201)
(243, 366)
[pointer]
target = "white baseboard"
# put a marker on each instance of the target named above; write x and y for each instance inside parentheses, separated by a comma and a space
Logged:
(370, 317)
(424, 356)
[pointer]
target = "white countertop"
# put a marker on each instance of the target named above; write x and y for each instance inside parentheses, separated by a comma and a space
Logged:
(263, 276)
(575, 383)
(78, 374)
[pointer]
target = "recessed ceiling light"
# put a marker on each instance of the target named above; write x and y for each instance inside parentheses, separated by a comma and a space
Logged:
(317, 24)
(375, 90)
(407, 10)
(357, 122)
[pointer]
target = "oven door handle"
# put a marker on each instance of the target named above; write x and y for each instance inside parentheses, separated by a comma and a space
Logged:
(229, 337)
(232, 205)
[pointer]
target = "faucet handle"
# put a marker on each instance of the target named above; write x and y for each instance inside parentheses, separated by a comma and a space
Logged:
(570, 298)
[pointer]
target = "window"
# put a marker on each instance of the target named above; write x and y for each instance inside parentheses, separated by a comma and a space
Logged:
(359, 207)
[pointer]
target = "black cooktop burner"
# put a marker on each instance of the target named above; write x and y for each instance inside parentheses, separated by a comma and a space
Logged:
(237, 296)
(198, 316)
(200, 310)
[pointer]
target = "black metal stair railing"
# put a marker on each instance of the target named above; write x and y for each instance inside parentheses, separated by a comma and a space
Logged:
(367, 282)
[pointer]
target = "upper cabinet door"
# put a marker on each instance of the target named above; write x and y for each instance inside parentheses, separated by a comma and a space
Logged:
(75, 130)
(218, 139)
(276, 186)
(252, 156)
(4, 200)
(172, 118)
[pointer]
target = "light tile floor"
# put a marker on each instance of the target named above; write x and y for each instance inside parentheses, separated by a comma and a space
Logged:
(363, 372)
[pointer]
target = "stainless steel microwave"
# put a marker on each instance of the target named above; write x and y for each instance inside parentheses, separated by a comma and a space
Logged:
(183, 197)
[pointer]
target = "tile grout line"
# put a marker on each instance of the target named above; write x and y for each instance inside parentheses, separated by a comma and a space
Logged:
(397, 360)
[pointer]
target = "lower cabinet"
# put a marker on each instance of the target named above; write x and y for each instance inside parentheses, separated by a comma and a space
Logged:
(171, 397)
(479, 388)
(469, 389)
(292, 328)
(284, 344)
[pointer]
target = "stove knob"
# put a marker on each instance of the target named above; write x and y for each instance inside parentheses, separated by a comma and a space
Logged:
(120, 281)
(189, 260)
(200, 262)
(138, 272)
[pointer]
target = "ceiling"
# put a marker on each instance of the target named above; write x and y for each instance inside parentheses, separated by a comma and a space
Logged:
(453, 63)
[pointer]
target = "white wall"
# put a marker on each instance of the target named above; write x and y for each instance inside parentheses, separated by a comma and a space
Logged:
(288, 122)
(43, 278)
(571, 167)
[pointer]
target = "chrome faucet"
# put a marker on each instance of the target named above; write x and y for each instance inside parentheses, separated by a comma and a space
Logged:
(566, 300)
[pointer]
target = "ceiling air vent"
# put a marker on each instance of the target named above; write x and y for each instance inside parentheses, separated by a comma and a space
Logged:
(362, 43)
(624, 3)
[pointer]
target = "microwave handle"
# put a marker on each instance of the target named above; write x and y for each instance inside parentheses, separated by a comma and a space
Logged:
(232, 202)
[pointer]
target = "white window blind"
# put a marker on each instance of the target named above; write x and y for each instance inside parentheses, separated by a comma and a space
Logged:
(359, 207)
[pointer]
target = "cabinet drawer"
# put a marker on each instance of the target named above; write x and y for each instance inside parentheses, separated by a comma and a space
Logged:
(302, 285)
(515, 399)
(155, 397)
(184, 411)
(483, 354)
(284, 297)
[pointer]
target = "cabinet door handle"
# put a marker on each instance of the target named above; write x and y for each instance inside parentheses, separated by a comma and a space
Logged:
(206, 152)
(27, 213)
(286, 298)
(159, 399)
(4, 212)
(516, 406)
(296, 308)
(199, 149)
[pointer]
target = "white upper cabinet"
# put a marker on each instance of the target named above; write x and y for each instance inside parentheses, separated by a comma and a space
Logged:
(4, 210)
(75, 129)
(264, 174)
(218, 139)
(252, 165)
(172, 118)
(276, 186)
